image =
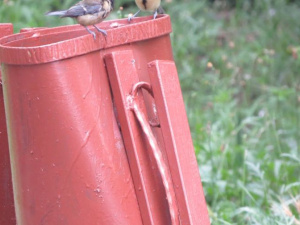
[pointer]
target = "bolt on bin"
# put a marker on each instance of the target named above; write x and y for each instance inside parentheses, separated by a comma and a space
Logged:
(7, 211)
(79, 154)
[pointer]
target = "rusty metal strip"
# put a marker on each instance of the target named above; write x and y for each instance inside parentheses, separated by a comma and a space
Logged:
(178, 142)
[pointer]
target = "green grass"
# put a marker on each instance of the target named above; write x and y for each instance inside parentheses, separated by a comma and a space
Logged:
(240, 76)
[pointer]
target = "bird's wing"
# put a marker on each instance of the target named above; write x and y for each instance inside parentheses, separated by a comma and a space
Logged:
(81, 9)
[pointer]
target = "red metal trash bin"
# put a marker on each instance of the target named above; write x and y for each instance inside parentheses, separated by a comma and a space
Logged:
(78, 155)
(7, 211)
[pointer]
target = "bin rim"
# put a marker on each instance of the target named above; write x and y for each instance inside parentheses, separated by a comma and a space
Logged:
(52, 44)
(6, 29)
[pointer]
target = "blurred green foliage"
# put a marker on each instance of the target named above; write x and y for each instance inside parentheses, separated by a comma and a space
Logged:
(239, 69)
(239, 72)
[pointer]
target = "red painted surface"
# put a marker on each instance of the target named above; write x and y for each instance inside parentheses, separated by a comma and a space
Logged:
(174, 132)
(53, 44)
(134, 103)
(28, 29)
(148, 185)
(6, 29)
(72, 163)
(7, 213)
(178, 142)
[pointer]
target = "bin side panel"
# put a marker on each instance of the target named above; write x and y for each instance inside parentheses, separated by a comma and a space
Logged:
(70, 166)
(7, 210)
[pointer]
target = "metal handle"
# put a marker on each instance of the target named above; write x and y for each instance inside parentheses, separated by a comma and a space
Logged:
(163, 168)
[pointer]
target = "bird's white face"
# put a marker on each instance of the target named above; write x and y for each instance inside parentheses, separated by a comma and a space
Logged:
(107, 6)
(148, 5)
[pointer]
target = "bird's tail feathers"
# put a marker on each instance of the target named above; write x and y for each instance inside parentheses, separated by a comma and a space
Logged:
(56, 13)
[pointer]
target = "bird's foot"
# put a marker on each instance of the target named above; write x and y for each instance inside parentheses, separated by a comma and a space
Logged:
(134, 15)
(129, 19)
(91, 32)
(94, 35)
(155, 14)
(100, 30)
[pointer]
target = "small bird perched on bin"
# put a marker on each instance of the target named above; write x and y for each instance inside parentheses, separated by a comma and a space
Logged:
(148, 5)
(88, 12)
